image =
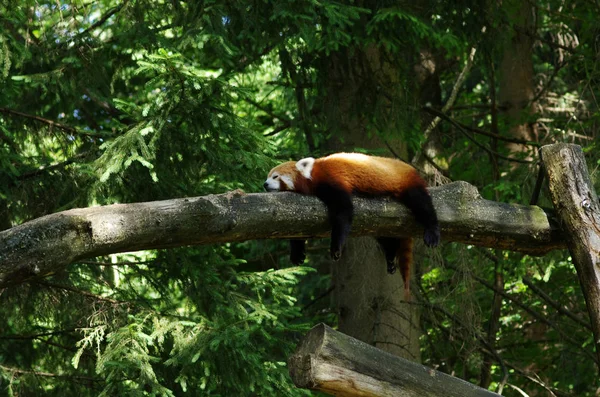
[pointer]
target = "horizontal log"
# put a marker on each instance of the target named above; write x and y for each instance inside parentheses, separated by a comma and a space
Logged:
(337, 364)
(46, 244)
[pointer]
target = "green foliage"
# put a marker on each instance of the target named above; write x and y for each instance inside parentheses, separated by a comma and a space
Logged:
(395, 28)
(127, 101)
(219, 352)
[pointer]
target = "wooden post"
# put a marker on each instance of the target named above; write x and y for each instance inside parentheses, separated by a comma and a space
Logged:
(577, 206)
(337, 364)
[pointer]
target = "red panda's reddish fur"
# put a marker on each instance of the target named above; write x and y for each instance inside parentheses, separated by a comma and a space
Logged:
(368, 175)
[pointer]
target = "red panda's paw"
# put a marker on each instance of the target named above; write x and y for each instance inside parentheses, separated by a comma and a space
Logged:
(297, 251)
(297, 259)
(431, 237)
(391, 268)
(336, 254)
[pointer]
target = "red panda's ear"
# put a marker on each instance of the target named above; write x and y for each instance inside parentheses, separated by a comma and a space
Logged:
(305, 166)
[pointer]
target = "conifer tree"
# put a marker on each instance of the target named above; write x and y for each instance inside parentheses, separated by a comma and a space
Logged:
(128, 101)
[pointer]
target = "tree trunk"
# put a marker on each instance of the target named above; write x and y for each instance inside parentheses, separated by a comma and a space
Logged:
(516, 86)
(370, 302)
(515, 94)
(578, 209)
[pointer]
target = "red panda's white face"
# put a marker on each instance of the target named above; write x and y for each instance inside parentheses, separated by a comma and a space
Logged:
(286, 176)
(282, 177)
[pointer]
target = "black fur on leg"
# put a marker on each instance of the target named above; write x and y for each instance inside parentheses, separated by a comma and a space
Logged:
(341, 210)
(389, 245)
(418, 201)
(297, 251)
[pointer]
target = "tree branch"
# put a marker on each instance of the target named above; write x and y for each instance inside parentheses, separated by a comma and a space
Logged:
(459, 80)
(478, 130)
(80, 292)
(48, 374)
(538, 316)
(557, 306)
(462, 131)
(36, 336)
(267, 110)
(50, 167)
(51, 123)
(47, 244)
(104, 18)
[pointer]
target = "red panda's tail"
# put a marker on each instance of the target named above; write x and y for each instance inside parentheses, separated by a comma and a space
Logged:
(404, 261)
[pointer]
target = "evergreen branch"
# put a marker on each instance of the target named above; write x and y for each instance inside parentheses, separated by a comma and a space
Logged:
(80, 292)
(9, 142)
(541, 318)
(51, 123)
(553, 392)
(277, 130)
(93, 263)
(453, 95)
(47, 168)
(425, 156)
(109, 108)
(288, 65)
(48, 374)
(318, 298)
(104, 18)
(63, 347)
(267, 110)
(29, 39)
(36, 336)
(246, 60)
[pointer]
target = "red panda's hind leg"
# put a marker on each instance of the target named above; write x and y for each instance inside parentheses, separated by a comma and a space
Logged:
(398, 254)
(297, 251)
(341, 210)
(389, 245)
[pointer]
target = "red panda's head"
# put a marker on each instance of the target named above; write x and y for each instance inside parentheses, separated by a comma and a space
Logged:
(289, 176)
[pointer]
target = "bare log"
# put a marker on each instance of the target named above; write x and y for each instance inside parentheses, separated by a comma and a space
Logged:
(579, 212)
(337, 364)
(49, 243)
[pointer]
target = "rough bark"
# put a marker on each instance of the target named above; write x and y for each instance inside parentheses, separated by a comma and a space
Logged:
(370, 302)
(46, 244)
(516, 85)
(579, 212)
(362, 107)
(337, 364)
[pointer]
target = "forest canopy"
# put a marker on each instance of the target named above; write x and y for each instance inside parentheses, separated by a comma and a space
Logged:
(108, 101)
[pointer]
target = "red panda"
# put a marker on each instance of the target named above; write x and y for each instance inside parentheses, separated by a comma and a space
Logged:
(333, 179)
